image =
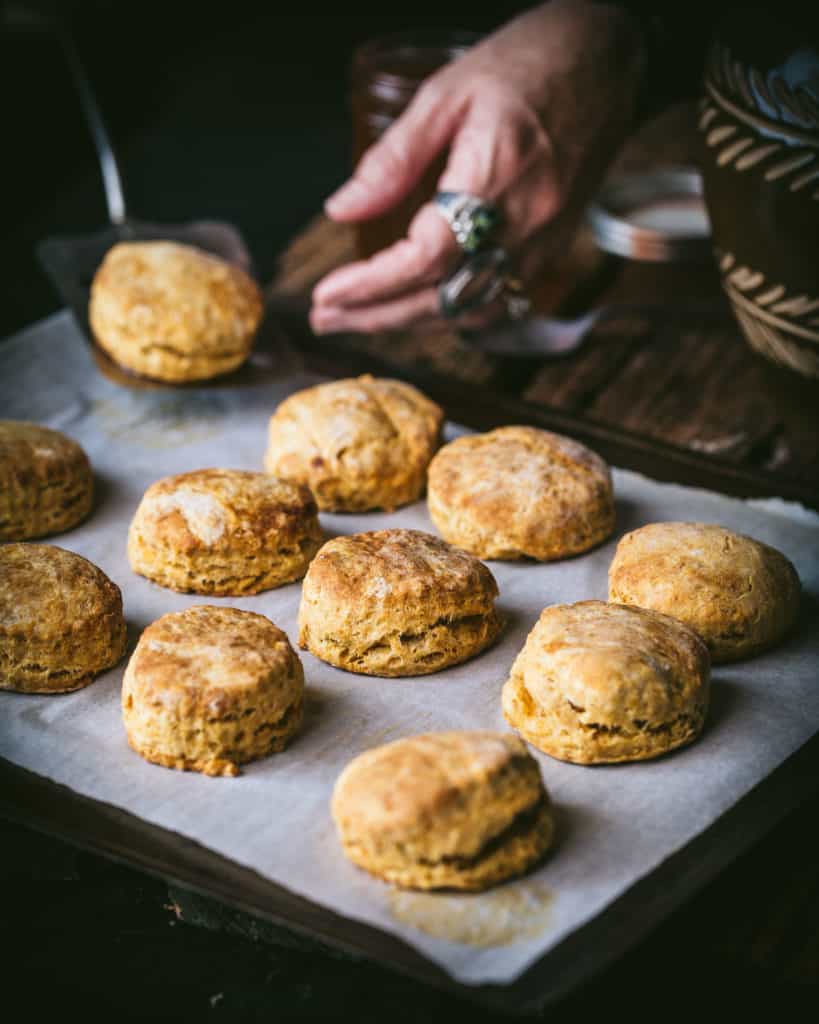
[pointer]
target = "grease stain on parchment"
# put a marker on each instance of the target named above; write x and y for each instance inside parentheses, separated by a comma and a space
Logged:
(159, 422)
(501, 917)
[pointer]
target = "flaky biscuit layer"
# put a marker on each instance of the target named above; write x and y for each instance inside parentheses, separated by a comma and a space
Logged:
(358, 444)
(740, 595)
(520, 492)
(46, 483)
(210, 688)
(598, 682)
(395, 603)
(173, 312)
(61, 621)
(222, 532)
(444, 810)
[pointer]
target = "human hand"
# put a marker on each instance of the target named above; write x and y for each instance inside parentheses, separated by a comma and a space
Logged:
(531, 116)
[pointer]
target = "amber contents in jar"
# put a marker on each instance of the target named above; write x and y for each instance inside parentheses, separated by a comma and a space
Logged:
(386, 74)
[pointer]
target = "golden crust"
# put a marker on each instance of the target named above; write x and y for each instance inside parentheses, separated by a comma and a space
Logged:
(210, 688)
(173, 312)
(61, 621)
(740, 595)
(598, 683)
(46, 483)
(224, 531)
(396, 603)
(444, 810)
(359, 444)
(520, 492)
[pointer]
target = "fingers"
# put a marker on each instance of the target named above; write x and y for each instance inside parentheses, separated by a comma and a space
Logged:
(502, 154)
(393, 166)
(499, 151)
(421, 309)
(416, 308)
(424, 257)
(486, 168)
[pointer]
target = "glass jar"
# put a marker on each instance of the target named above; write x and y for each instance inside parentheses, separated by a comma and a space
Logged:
(385, 75)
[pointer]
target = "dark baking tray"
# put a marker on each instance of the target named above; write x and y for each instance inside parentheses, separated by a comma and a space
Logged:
(58, 811)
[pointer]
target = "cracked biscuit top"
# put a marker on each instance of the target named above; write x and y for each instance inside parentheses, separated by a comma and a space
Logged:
(61, 620)
(46, 483)
(209, 688)
(173, 312)
(740, 595)
(396, 602)
(359, 444)
(437, 795)
(521, 492)
(214, 662)
(224, 531)
(46, 591)
(224, 509)
(607, 682)
(407, 576)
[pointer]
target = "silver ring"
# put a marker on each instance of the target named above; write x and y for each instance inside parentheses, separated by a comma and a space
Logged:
(478, 282)
(473, 221)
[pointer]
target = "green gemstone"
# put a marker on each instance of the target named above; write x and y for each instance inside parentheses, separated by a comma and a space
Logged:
(482, 224)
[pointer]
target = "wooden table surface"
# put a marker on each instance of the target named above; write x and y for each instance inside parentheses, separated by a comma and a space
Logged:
(683, 399)
(681, 380)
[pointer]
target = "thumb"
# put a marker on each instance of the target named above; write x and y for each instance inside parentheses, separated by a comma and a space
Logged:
(394, 165)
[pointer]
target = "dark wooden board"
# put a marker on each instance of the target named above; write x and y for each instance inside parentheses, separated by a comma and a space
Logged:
(58, 811)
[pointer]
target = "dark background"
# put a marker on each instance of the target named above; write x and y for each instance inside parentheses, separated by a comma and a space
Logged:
(218, 111)
(230, 110)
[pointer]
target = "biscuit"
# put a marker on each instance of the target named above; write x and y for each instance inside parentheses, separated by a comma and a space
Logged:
(358, 444)
(598, 683)
(740, 595)
(396, 603)
(208, 689)
(46, 484)
(456, 810)
(173, 312)
(61, 620)
(224, 531)
(520, 492)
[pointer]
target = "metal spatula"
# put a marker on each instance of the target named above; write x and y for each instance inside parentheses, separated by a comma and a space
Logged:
(71, 263)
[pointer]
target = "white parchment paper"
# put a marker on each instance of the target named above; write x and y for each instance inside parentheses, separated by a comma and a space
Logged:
(617, 822)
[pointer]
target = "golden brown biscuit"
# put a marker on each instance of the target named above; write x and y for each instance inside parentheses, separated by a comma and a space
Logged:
(457, 810)
(740, 595)
(46, 484)
(520, 492)
(173, 312)
(224, 531)
(358, 444)
(396, 603)
(61, 620)
(598, 683)
(208, 689)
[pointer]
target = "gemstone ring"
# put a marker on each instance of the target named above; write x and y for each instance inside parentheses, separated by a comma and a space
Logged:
(472, 220)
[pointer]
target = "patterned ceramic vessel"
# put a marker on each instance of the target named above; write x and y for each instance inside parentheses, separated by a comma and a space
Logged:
(759, 127)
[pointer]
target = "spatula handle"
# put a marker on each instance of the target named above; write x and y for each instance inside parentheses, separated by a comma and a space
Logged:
(111, 177)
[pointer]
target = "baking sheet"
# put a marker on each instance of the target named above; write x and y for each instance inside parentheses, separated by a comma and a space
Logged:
(616, 823)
